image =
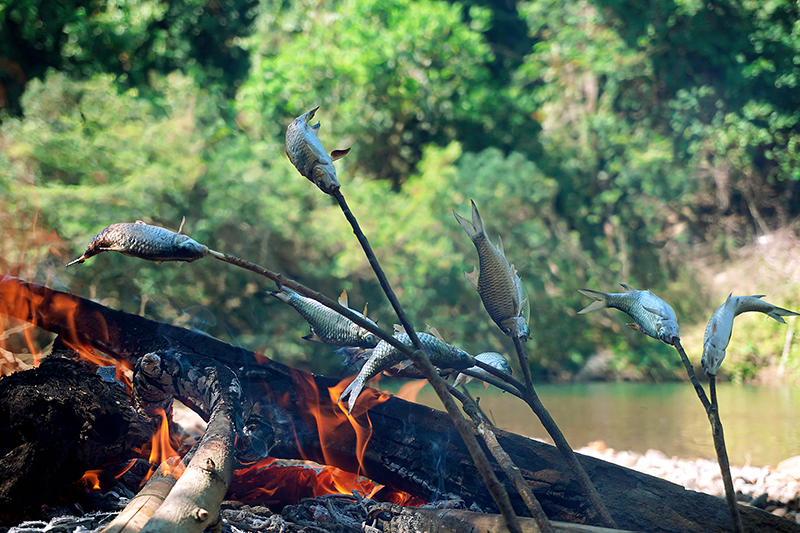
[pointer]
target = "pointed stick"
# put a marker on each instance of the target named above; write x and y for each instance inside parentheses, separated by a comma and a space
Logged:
(712, 411)
(421, 360)
(536, 405)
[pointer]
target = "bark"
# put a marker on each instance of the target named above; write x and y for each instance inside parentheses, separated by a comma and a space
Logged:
(56, 422)
(408, 447)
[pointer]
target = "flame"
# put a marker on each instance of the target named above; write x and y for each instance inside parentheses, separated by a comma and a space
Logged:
(22, 308)
(162, 447)
(288, 482)
(410, 390)
(91, 479)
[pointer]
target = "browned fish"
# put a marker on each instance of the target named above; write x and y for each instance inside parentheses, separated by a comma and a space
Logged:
(307, 154)
(144, 241)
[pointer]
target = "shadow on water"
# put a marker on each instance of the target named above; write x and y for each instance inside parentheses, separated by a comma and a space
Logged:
(762, 424)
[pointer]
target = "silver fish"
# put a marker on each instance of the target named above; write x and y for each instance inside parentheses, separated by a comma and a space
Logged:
(307, 154)
(144, 241)
(328, 326)
(497, 282)
(653, 316)
(720, 326)
(493, 359)
(384, 356)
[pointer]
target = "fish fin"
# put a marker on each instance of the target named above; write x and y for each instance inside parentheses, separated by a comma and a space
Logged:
(81, 259)
(476, 218)
(599, 303)
(627, 288)
(635, 327)
(310, 114)
(343, 298)
(460, 378)
(141, 222)
(338, 154)
(485, 385)
(402, 365)
(281, 294)
(365, 309)
(398, 329)
(655, 312)
(472, 277)
(183, 221)
(500, 246)
(435, 332)
(313, 337)
(467, 225)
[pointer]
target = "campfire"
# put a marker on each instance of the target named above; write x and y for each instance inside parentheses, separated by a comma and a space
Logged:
(78, 448)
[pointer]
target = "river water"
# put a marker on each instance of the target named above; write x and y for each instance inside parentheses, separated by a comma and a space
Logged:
(761, 424)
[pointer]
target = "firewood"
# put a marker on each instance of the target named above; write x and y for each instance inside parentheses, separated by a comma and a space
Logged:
(406, 441)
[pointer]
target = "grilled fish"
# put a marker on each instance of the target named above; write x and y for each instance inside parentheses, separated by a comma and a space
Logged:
(307, 154)
(652, 315)
(497, 281)
(144, 241)
(492, 359)
(384, 356)
(328, 326)
(720, 326)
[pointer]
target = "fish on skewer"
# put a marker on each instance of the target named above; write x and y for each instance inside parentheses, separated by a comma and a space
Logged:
(307, 154)
(328, 326)
(144, 241)
(652, 315)
(492, 359)
(720, 326)
(385, 356)
(496, 281)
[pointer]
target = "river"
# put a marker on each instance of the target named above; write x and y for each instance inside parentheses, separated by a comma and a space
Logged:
(761, 424)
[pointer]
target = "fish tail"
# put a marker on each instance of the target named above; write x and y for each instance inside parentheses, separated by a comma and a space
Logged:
(778, 312)
(282, 293)
(600, 301)
(474, 228)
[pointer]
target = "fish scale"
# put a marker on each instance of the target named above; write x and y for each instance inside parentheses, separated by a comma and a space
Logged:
(327, 326)
(144, 241)
(307, 154)
(720, 326)
(497, 281)
(653, 316)
(384, 356)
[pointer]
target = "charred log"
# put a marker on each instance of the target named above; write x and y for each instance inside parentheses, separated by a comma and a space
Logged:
(56, 422)
(403, 445)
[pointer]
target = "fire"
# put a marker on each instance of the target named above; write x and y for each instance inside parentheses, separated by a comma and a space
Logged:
(288, 482)
(163, 446)
(91, 479)
(410, 390)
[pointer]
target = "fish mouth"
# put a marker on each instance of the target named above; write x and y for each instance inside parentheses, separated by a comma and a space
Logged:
(310, 114)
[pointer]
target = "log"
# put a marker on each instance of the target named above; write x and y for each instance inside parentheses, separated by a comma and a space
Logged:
(409, 447)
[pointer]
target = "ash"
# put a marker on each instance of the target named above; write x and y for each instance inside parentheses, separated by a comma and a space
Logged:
(332, 513)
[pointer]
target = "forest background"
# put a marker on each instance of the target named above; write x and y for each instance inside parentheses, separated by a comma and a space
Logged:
(653, 143)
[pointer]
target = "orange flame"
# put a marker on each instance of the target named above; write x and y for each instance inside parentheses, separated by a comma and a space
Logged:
(91, 479)
(410, 390)
(162, 447)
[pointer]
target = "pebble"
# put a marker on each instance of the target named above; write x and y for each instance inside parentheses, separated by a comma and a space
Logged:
(776, 489)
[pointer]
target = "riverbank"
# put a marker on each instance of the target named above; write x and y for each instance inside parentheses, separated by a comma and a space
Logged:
(774, 489)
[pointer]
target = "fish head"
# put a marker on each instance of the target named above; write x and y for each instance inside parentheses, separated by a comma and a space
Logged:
(712, 358)
(668, 331)
(515, 327)
(368, 337)
(188, 247)
(324, 177)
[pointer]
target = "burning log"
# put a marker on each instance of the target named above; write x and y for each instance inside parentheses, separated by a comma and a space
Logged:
(401, 445)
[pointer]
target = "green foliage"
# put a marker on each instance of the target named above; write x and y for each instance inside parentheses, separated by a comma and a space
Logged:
(604, 140)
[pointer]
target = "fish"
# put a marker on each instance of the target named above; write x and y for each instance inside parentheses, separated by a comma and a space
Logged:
(328, 326)
(496, 281)
(307, 154)
(385, 356)
(652, 315)
(720, 326)
(144, 241)
(493, 359)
